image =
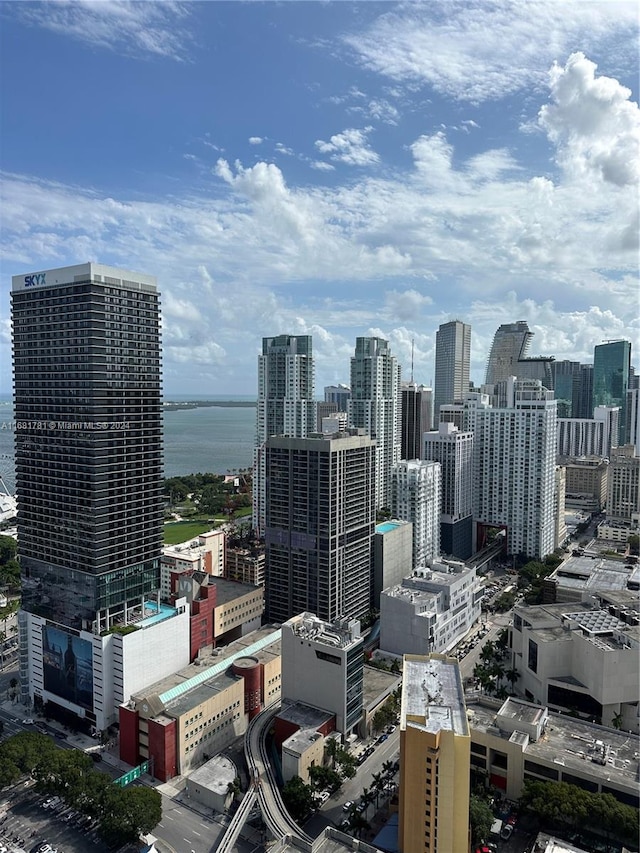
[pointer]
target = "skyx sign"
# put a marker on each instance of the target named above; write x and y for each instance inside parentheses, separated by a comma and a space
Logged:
(34, 280)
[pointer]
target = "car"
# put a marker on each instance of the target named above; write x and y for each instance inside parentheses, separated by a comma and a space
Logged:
(362, 758)
(323, 796)
(369, 751)
(27, 721)
(347, 805)
(506, 832)
(391, 730)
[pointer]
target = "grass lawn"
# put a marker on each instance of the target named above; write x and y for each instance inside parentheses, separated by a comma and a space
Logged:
(182, 531)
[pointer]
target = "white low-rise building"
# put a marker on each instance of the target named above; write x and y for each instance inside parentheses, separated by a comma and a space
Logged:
(578, 658)
(430, 611)
(204, 554)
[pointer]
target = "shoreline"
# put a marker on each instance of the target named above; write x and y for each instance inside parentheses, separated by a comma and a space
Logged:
(171, 406)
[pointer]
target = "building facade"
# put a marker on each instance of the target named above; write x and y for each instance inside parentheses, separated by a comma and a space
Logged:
(453, 355)
(430, 611)
(416, 496)
(392, 555)
(320, 522)
(509, 356)
(514, 467)
(286, 404)
(623, 492)
(611, 369)
(453, 449)
(322, 666)
(338, 394)
(416, 416)
(87, 399)
(434, 758)
(375, 407)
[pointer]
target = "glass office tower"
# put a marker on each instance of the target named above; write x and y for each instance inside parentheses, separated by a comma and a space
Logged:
(611, 368)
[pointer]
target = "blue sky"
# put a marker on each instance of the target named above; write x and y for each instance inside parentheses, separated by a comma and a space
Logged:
(330, 168)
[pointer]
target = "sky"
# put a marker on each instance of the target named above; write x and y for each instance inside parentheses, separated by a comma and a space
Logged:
(336, 169)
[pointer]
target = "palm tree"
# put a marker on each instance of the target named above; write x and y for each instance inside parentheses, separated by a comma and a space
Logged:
(616, 722)
(488, 651)
(331, 748)
(378, 783)
(512, 675)
(387, 767)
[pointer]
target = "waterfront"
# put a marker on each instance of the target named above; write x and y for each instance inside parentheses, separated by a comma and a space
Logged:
(208, 439)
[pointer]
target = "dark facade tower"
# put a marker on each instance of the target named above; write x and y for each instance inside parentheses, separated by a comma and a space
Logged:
(453, 354)
(611, 369)
(416, 416)
(564, 375)
(89, 468)
(320, 521)
(583, 392)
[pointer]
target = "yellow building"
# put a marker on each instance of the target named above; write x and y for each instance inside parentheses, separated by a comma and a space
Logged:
(434, 757)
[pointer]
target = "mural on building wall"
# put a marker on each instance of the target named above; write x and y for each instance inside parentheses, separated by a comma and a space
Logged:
(68, 666)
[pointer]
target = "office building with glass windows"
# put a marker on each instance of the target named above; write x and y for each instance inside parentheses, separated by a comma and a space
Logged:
(453, 354)
(611, 369)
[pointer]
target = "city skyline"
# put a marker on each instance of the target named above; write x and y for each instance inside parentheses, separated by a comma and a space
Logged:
(457, 173)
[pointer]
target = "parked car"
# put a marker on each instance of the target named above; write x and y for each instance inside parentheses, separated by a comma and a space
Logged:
(27, 721)
(506, 831)
(391, 730)
(347, 805)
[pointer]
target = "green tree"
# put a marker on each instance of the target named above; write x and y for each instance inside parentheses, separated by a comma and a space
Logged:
(324, 777)
(8, 549)
(297, 798)
(616, 722)
(356, 822)
(480, 819)
(634, 543)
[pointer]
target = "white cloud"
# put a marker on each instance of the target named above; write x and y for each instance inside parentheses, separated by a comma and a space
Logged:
(594, 125)
(256, 140)
(350, 146)
(476, 51)
(139, 29)
(321, 166)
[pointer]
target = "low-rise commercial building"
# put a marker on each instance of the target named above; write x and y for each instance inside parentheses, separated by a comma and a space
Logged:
(300, 732)
(245, 565)
(586, 482)
(514, 741)
(430, 611)
(197, 711)
(204, 554)
(578, 658)
(579, 578)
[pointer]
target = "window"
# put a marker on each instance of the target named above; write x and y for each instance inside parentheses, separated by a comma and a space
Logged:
(532, 661)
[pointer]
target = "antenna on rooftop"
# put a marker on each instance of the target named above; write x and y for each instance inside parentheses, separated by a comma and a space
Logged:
(412, 342)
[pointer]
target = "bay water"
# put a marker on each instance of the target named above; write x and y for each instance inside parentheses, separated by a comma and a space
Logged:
(206, 439)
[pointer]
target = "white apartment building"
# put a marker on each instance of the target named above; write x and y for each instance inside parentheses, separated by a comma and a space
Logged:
(416, 496)
(430, 611)
(453, 449)
(573, 657)
(580, 437)
(375, 406)
(286, 404)
(514, 466)
(204, 554)
(609, 417)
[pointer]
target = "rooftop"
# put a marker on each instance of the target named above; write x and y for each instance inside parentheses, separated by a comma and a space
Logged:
(264, 644)
(303, 715)
(339, 634)
(432, 690)
(572, 743)
(215, 775)
(521, 712)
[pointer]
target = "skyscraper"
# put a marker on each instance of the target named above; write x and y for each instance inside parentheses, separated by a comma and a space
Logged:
(583, 392)
(320, 521)
(435, 757)
(453, 353)
(509, 356)
(338, 394)
(514, 449)
(564, 375)
(286, 405)
(611, 368)
(87, 401)
(375, 406)
(415, 420)
(453, 449)
(416, 496)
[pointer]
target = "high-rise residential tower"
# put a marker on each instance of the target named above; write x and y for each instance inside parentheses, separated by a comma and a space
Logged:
(375, 406)
(415, 420)
(435, 757)
(416, 496)
(286, 405)
(453, 353)
(338, 394)
(89, 468)
(453, 449)
(509, 356)
(320, 522)
(514, 450)
(611, 368)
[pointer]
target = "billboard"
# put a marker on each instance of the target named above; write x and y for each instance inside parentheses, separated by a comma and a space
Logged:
(67, 666)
